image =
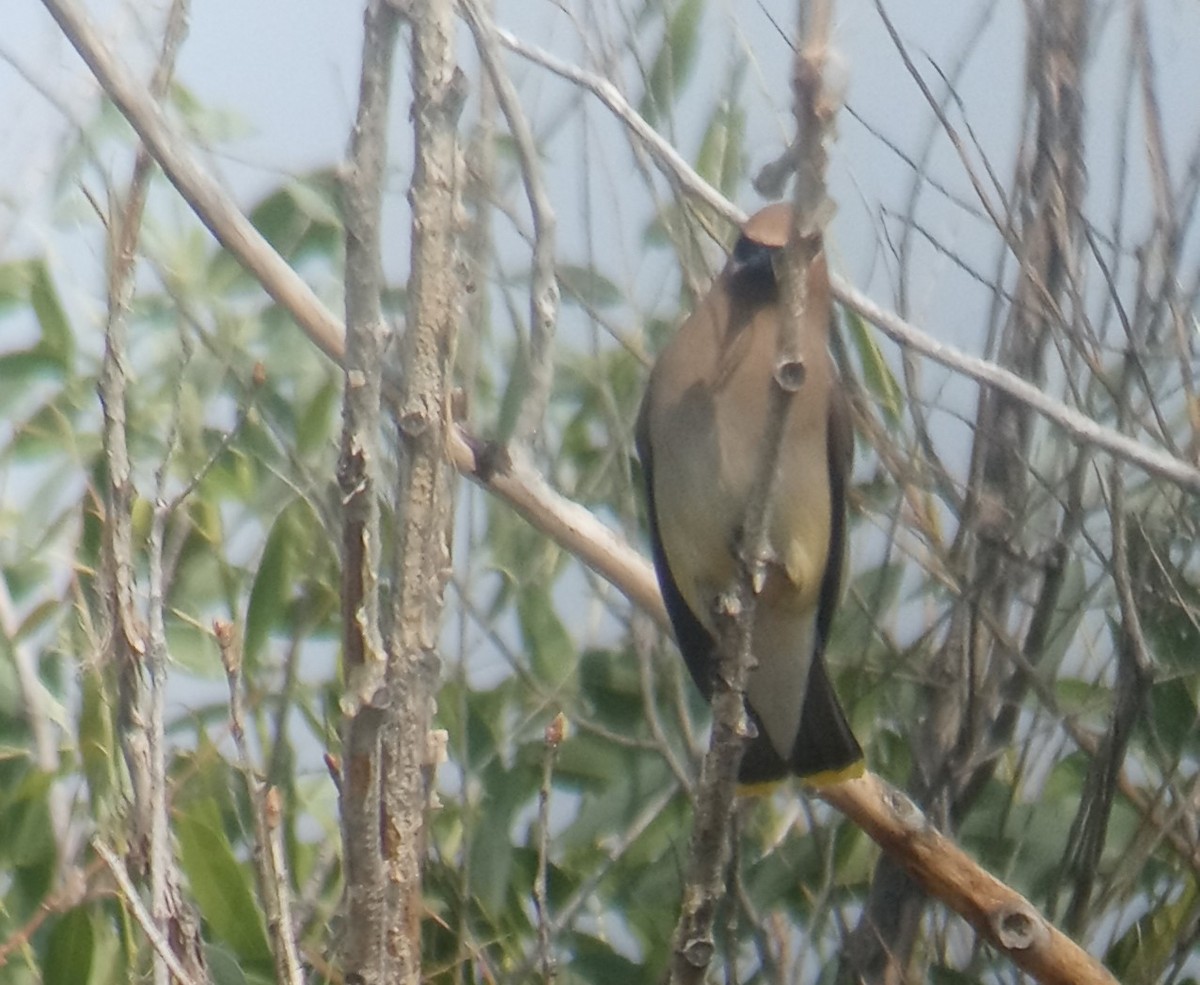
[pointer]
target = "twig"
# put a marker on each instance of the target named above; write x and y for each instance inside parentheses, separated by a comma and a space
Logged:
(1001, 225)
(541, 904)
(804, 297)
(585, 891)
(1166, 242)
(161, 946)
(73, 890)
(669, 160)
(1134, 677)
(271, 863)
(543, 285)
(644, 634)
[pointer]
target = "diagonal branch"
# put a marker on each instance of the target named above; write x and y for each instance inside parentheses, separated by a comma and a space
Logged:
(208, 200)
(1008, 921)
(233, 230)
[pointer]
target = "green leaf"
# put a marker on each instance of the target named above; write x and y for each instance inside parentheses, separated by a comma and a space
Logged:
(1068, 614)
(673, 64)
(874, 590)
(67, 957)
(45, 432)
(315, 421)
(594, 960)
(28, 833)
(588, 286)
(57, 343)
(192, 648)
(300, 219)
(272, 583)
(877, 377)
(492, 846)
(1142, 953)
(223, 967)
(97, 746)
(720, 157)
(28, 284)
(1171, 715)
(610, 684)
(550, 647)
(222, 887)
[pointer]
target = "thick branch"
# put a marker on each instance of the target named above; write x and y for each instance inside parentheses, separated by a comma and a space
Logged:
(367, 912)
(1003, 917)
(425, 503)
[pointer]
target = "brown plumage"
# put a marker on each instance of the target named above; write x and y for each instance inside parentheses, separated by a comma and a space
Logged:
(699, 436)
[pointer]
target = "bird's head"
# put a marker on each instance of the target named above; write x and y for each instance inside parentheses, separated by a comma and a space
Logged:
(764, 234)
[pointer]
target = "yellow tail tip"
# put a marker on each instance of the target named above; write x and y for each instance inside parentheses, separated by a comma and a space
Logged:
(825, 778)
(828, 778)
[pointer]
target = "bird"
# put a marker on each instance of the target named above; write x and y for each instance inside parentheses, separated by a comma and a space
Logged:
(700, 435)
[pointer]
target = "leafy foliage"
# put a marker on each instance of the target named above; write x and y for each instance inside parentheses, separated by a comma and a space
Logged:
(242, 418)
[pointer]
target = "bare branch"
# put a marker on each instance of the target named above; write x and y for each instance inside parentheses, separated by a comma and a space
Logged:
(425, 501)
(368, 912)
(804, 297)
(209, 201)
(138, 645)
(568, 524)
(162, 947)
(543, 286)
(1073, 422)
(270, 860)
(1008, 921)
(553, 738)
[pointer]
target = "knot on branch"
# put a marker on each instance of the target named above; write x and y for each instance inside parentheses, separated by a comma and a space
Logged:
(414, 420)
(698, 952)
(907, 814)
(455, 95)
(1018, 928)
(728, 605)
(491, 458)
(790, 374)
(352, 468)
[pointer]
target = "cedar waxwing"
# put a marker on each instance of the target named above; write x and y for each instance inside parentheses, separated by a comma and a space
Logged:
(700, 436)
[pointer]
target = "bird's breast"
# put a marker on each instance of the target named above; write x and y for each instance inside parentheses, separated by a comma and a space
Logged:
(707, 454)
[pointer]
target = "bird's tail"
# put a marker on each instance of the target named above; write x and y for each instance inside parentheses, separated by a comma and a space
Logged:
(826, 750)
